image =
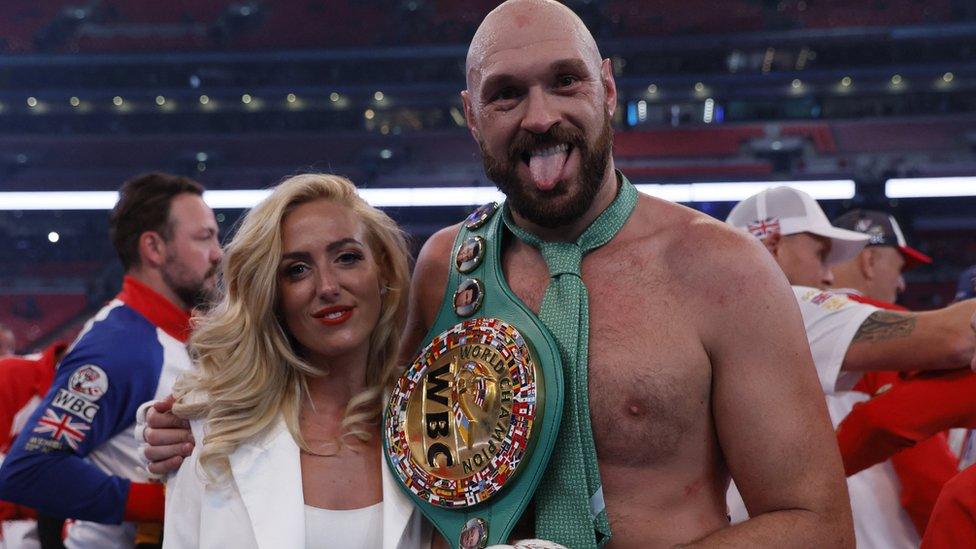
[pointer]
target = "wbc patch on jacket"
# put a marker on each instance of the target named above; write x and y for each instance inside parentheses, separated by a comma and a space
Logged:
(85, 386)
(72, 402)
(89, 382)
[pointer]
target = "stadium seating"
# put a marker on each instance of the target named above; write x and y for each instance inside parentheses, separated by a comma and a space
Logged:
(145, 25)
(34, 316)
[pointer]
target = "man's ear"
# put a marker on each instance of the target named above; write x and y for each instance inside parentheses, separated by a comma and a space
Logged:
(609, 86)
(469, 115)
(152, 249)
(771, 241)
(866, 262)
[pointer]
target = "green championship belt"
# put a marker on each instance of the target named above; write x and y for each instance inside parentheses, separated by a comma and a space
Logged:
(471, 425)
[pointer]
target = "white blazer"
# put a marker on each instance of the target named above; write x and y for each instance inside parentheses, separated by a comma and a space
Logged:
(264, 507)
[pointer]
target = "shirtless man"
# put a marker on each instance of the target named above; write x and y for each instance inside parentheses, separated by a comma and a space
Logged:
(698, 363)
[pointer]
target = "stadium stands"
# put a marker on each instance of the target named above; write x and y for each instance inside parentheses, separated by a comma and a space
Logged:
(141, 25)
(34, 316)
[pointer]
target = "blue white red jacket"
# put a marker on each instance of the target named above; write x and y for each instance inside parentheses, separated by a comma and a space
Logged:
(76, 456)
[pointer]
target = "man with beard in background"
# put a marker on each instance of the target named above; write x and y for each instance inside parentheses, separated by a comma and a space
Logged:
(75, 457)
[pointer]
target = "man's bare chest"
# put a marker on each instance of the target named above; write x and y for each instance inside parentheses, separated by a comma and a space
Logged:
(649, 376)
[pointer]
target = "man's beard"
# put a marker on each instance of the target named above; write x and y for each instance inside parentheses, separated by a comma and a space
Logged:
(194, 293)
(567, 201)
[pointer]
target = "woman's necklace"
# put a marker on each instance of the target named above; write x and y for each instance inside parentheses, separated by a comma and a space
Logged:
(335, 452)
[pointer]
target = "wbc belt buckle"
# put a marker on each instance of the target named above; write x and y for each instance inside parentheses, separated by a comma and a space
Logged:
(461, 418)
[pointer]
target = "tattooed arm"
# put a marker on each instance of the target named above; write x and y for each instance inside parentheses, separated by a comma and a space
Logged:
(944, 339)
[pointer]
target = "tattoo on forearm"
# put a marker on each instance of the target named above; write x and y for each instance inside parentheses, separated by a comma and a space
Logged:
(885, 325)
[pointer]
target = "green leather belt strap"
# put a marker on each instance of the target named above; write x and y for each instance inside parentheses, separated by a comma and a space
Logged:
(502, 511)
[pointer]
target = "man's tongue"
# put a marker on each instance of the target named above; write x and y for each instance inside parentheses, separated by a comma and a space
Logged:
(546, 169)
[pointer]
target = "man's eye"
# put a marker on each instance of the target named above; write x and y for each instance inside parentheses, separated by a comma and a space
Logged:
(505, 94)
(566, 80)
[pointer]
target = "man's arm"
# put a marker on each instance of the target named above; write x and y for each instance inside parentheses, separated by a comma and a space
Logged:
(427, 289)
(911, 411)
(89, 402)
(944, 339)
(768, 406)
(165, 440)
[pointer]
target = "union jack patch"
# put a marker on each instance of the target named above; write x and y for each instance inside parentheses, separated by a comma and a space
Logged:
(762, 229)
(62, 428)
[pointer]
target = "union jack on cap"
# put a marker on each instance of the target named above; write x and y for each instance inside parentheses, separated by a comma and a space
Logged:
(766, 227)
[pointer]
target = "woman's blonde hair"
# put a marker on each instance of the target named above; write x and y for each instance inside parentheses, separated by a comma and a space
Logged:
(247, 370)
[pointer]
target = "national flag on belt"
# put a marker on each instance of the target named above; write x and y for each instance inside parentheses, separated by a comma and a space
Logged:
(61, 427)
(480, 391)
(762, 229)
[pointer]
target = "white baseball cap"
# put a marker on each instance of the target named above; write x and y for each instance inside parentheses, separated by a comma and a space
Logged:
(790, 211)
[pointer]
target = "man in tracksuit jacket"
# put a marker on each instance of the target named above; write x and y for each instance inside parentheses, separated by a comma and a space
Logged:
(76, 457)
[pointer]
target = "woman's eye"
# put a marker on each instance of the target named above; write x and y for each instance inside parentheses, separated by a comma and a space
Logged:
(347, 258)
(296, 270)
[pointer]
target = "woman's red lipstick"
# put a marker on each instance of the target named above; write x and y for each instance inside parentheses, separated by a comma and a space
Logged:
(333, 316)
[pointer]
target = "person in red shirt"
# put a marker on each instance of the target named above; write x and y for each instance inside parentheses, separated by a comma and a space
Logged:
(912, 413)
(8, 341)
(908, 414)
(24, 380)
(875, 277)
(954, 517)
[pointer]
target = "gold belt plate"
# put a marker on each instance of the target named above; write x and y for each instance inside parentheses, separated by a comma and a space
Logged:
(460, 419)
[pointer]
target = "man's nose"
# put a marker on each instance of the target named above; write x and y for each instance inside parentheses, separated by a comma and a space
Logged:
(540, 113)
(216, 254)
(828, 277)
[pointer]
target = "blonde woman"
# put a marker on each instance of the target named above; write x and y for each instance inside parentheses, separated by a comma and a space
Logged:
(292, 365)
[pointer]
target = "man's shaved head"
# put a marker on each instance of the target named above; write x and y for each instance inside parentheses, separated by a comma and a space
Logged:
(539, 102)
(518, 23)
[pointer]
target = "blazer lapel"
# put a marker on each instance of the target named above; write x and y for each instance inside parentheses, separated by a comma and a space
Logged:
(268, 475)
(397, 512)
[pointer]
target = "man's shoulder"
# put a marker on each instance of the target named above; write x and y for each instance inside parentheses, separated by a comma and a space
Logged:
(118, 338)
(440, 243)
(436, 252)
(687, 237)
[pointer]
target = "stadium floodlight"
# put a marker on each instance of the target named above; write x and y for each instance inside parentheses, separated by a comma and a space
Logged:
(400, 197)
(56, 200)
(930, 187)
(431, 196)
(734, 191)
